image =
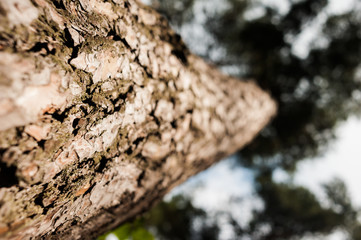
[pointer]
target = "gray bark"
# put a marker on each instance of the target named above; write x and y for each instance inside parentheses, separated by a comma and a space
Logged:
(102, 111)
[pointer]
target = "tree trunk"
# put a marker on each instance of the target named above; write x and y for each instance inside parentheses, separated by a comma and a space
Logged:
(102, 111)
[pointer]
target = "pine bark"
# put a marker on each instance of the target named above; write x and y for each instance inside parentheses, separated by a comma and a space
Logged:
(102, 111)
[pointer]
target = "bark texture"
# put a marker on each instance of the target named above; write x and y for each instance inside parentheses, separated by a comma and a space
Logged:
(102, 111)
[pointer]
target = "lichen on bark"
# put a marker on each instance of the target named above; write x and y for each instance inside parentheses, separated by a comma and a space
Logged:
(102, 111)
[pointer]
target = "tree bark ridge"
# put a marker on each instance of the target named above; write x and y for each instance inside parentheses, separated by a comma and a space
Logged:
(102, 111)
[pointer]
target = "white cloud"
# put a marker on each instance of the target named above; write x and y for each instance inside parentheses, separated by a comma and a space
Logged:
(216, 188)
(111, 236)
(343, 160)
(339, 7)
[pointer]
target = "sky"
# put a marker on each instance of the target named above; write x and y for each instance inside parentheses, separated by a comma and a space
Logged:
(223, 187)
(343, 159)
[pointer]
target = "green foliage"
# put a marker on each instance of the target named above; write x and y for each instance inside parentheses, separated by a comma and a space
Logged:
(168, 220)
(130, 231)
(174, 220)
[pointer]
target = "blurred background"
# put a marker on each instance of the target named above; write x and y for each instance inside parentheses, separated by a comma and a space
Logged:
(299, 179)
